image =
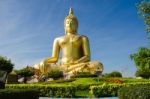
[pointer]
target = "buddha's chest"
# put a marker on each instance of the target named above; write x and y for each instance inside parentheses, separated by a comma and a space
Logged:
(70, 41)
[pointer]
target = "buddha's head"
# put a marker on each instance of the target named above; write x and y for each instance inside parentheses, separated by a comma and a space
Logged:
(71, 23)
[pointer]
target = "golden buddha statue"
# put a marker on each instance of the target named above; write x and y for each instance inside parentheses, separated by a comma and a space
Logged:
(75, 50)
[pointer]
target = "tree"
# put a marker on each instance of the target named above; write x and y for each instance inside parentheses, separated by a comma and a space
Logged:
(144, 10)
(5, 68)
(5, 64)
(143, 73)
(142, 61)
(142, 58)
(26, 72)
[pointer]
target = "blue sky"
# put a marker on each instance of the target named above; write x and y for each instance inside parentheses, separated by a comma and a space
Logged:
(115, 30)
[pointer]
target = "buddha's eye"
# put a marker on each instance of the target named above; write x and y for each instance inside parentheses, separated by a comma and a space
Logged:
(68, 21)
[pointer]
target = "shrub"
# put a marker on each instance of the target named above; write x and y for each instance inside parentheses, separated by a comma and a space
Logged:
(107, 90)
(54, 73)
(112, 74)
(19, 94)
(84, 75)
(47, 90)
(135, 92)
(145, 73)
(115, 74)
(26, 72)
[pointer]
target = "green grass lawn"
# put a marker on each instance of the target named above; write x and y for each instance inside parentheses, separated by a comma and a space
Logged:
(93, 81)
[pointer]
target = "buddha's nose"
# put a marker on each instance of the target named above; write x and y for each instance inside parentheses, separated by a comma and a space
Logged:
(70, 24)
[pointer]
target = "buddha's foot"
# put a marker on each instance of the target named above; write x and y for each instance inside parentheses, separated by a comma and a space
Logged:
(93, 67)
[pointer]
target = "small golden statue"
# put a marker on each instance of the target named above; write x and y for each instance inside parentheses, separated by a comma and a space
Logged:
(75, 51)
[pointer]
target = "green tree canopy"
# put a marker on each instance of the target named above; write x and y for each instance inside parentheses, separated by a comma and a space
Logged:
(26, 72)
(142, 58)
(143, 73)
(144, 10)
(5, 64)
(142, 62)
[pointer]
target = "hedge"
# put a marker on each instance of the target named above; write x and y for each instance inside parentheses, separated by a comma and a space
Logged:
(66, 91)
(84, 75)
(111, 90)
(47, 90)
(19, 94)
(134, 92)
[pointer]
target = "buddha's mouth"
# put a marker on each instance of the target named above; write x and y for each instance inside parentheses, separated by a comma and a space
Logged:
(69, 29)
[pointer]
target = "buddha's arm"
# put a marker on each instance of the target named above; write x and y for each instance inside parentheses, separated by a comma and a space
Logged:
(86, 50)
(55, 53)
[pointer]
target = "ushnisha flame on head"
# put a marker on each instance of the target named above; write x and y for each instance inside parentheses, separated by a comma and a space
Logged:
(72, 17)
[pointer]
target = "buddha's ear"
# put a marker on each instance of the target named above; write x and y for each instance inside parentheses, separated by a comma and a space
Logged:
(65, 31)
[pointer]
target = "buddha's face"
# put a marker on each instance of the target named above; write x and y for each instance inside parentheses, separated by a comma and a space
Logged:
(70, 26)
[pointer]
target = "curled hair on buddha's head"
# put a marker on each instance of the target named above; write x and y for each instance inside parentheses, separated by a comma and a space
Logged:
(71, 16)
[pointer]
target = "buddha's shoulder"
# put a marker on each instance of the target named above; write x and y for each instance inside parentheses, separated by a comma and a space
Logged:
(84, 37)
(61, 37)
(77, 36)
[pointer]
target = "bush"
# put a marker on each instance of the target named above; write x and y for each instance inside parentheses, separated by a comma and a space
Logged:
(107, 90)
(135, 92)
(26, 72)
(54, 73)
(84, 75)
(143, 73)
(115, 74)
(47, 90)
(19, 94)
(112, 74)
